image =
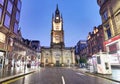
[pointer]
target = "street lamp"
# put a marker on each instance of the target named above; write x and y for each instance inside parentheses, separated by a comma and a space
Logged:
(78, 58)
(119, 56)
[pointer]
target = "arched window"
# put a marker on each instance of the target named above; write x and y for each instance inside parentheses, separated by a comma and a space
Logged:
(46, 60)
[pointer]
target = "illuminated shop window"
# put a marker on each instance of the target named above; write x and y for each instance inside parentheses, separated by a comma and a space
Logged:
(2, 37)
(0, 14)
(7, 21)
(17, 16)
(9, 7)
(15, 28)
(1, 2)
(19, 4)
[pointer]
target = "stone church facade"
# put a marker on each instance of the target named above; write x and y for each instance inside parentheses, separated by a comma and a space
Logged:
(57, 54)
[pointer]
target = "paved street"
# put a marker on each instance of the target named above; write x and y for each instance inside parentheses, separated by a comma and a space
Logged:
(59, 76)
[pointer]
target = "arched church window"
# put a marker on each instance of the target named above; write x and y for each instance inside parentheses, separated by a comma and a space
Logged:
(46, 61)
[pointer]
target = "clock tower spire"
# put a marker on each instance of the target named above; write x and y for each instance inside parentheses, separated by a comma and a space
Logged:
(57, 32)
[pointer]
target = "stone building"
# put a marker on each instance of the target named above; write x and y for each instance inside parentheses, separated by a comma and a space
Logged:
(57, 54)
(9, 21)
(110, 15)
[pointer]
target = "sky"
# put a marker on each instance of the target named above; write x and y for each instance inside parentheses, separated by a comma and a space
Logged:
(79, 17)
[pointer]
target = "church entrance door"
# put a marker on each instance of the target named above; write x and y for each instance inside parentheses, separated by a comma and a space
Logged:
(57, 63)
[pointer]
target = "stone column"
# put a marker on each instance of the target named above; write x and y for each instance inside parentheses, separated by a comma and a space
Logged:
(42, 58)
(52, 61)
(73, 56)
(62, 55)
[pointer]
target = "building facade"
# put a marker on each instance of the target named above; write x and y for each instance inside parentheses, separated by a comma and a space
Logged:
(25, 52)
(84, 53)
(57, 54)
(82, 44)
(79, 46)
(95, 41)
(110, 15)
(9, 21)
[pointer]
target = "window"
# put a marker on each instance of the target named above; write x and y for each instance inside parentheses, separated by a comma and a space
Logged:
(0, 14)
(57, 38)
(113, 48)
(15, 28)
(117, 20)
(12, 0)
(19, 5)
(1, 2)
(7, 21)
(17, 16)
(108, 31)
(2, 37)
(9, 7)
(46, 60)
(105, 15)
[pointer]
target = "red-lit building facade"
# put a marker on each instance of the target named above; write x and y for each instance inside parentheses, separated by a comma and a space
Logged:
(95, 41)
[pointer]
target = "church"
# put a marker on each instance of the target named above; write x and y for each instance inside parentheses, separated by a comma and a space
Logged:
(57, 54)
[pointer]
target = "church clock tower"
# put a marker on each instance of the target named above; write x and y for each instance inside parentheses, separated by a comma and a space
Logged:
(57, 32)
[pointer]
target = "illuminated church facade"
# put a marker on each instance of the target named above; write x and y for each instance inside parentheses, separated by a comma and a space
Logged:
(57, 54)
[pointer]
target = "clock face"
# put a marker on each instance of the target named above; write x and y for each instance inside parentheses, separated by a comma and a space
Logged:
(57, 18)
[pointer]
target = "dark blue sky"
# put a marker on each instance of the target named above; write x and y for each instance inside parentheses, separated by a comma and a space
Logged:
(79, 16)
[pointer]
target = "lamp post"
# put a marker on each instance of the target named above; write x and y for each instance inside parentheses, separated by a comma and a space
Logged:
(25, 54)
(119, 56)
(78, 58)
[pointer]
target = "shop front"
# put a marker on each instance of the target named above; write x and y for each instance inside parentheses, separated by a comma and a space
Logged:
(1, 59)
(113, 48)
(2, 49)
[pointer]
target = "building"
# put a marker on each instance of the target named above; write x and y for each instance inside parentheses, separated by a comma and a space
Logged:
(82, 44)
(95, 41)
(9, 21)
(36, 45)
(57, 54)
(84, 53)
(25, 51)
(110, 15)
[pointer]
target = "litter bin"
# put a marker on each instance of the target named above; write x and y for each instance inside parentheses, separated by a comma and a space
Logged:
(28, 65)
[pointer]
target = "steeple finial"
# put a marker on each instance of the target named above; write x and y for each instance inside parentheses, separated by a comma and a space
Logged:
(57, 7)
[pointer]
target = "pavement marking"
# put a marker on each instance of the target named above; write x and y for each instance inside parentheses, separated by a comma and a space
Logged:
(80, 74)
(63, 80)
(13, 80)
